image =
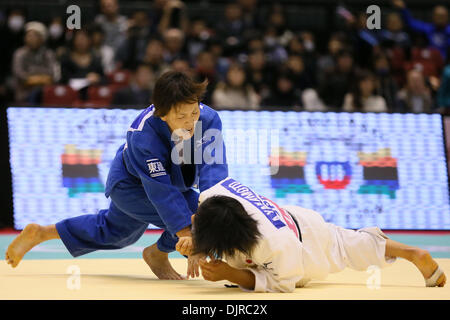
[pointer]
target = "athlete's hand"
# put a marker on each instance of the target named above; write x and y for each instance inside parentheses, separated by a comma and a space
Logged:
(193, 267)
(215, 270)
(184, 245)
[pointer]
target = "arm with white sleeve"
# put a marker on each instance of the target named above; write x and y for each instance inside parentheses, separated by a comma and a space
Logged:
(279, 265)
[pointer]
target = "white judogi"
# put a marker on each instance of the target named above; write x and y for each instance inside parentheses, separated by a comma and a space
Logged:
(280, 262)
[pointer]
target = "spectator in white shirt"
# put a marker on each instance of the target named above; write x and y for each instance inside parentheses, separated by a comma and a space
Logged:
(363, 96)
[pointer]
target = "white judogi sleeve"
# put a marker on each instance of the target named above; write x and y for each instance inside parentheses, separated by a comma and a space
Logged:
(277, 266)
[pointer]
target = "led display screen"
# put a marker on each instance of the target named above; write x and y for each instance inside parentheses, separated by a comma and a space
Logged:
(356, 169)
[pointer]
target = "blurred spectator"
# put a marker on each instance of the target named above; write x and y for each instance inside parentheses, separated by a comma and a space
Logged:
(394, 35)
(231, 29)
(337, 83)
(255, 42)
(16, 20)
(174, 16)
(277, 35)
(34, 65)
(283, 93)
(311, 101)
(138, 93)
(425, 58)
(205, 68)
(174, 45)
(276, 53)
(303, 45)
(154, 57)
(12, 35)
(437, 32)
(251, 13)
(363, 96)
(296, 71)
(396, 44)
(114, 24)
(443, 95)
(257, 34)
(132, 50)
(155, 13)
(416, 96)
(259, 72)
(57, 36)
(80, 67)
(102, 51)
(181, 65)
(326, 62)
(387, 87)
(235, 92)
(222, 62)
(364, 41)
(277, 22)
(198, 36)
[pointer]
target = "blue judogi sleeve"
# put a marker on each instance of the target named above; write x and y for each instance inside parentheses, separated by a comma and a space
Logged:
(437, 38)
(415, 24)
(151, 167)
(212, 173)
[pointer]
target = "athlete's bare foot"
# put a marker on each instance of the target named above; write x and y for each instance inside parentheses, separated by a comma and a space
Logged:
(427, 266)
(25, 241)
(158, 261)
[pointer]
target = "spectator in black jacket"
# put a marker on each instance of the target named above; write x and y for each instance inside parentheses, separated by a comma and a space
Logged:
(138, 93)
(387, 86)
(81, 65)
(132, 50)
(337, 83)
(284, 94)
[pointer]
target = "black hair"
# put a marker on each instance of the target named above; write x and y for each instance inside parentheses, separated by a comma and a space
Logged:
(74, 35)
(361, 75)
(222, 226)
(345, 53)
(173, 88)
(95, 28)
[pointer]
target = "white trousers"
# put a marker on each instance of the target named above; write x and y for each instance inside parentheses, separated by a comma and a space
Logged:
(328, 248)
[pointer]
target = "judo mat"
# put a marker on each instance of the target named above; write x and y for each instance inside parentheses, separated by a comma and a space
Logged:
(49, 272)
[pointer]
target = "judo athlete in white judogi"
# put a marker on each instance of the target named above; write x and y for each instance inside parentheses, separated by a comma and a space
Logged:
(262, 247)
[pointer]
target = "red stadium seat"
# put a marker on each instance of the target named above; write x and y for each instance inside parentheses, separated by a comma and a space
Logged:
(100, 96)
(120, 77)
(60, 95)
(428, 60)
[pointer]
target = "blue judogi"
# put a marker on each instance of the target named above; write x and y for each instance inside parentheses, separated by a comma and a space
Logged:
(146, 186)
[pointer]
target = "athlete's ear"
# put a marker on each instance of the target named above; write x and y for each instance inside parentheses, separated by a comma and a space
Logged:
(192, 219)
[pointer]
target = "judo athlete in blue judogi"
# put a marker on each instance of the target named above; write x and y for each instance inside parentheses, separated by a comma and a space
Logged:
(151, 180)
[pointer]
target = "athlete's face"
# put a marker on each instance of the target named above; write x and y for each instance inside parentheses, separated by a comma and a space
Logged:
(182, 119)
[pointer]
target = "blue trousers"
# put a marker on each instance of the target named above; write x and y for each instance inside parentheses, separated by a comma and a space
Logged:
(121, 225)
